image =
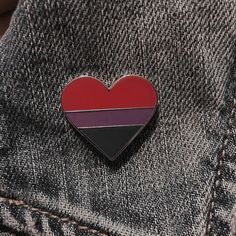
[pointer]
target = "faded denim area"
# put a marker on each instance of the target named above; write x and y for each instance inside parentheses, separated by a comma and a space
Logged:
(178, 177)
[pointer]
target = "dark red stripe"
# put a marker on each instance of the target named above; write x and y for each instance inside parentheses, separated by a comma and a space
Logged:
(87, 93)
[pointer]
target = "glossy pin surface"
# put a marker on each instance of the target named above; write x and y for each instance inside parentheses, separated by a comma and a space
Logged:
(110, 118)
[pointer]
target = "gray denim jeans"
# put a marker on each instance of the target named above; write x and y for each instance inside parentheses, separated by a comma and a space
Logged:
(178, 177)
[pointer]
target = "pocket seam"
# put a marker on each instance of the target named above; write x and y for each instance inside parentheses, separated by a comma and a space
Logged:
(62, 220)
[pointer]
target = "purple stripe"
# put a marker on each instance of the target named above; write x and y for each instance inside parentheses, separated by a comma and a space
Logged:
(110, 117)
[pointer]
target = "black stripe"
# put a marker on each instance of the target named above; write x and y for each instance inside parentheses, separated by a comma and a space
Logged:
(111, 140)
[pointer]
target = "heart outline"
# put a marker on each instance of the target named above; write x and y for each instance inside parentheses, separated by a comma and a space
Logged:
(109, 89)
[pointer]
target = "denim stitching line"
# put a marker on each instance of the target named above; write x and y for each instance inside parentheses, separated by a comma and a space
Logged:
(218, 170)
(20, 203)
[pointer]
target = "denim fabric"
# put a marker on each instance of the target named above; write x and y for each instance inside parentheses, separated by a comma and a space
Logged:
(179, 175)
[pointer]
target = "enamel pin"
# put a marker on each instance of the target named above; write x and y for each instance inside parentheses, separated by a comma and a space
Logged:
(109, 118)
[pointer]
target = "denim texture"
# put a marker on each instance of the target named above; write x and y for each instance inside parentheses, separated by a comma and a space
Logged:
(179, 175)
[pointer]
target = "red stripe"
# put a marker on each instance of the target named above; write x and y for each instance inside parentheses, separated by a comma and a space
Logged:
(87, 93)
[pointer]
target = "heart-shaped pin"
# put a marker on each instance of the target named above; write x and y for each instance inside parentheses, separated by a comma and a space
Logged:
(110, 118)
